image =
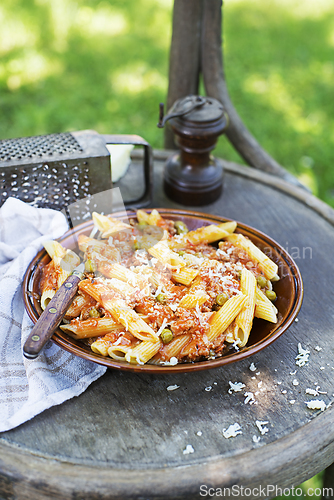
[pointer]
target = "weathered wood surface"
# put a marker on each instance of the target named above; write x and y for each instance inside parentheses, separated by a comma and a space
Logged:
(124, 437)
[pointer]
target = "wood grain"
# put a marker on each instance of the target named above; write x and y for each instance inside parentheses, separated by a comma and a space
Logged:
(184, 59)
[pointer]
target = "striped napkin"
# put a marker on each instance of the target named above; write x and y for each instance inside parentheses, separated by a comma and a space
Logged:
(28, 387)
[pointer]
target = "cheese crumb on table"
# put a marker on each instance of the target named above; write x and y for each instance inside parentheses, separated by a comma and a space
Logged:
(313, 392)
(236, 387)
(303, 356)
(249, 398)
(252, 367)
(232, 431)
(188, 449)
(316, 404)
(260, 425)
(172, 387)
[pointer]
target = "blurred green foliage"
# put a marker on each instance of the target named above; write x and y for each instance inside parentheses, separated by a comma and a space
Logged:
(309, 490)
(76, 64)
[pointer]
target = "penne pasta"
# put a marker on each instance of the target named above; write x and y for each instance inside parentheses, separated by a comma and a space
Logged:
(79, 303)
(130, 320)
(101, 347)
(244, 320)
(108, 225)
(119, 310)
(92, 327)
(264, 308)
(266, 265)
(185, 275)
(172, 350)
(151, 219)
(115, 270)
(206, 234)
(118, 352)
(46, 296)
(165, 255)
(143, 352)
(191, 300)
(224, 317)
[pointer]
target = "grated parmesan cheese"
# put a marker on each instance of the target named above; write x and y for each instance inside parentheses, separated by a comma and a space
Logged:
(256, 439)
(188, 449)
(313, 392)
(121, 317)
(119, 340)
(232, 431)
(249, 398)
(173, 306)
(316, 404)
(252, 367)
(303, 356)
(235, 344)
(162, 327)
(236, 387)
(172, 387)
(172, 362)
(259, 425)
(158, 291)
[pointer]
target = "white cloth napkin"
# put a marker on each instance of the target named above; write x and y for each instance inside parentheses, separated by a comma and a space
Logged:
(28, 387)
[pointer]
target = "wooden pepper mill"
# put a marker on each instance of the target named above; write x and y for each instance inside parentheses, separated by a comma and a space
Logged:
(193, 176)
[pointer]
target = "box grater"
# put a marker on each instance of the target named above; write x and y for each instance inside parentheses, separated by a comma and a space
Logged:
(56, 170)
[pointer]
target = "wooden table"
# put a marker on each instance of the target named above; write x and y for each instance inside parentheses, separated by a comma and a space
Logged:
(125, 437)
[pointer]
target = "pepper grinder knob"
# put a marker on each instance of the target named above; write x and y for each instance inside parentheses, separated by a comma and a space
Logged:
(193, 176)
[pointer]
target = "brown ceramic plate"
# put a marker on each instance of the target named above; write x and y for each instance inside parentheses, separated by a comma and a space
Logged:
(289, 290)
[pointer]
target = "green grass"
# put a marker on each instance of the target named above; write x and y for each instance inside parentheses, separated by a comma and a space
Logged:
(74, 64)
(279, 70)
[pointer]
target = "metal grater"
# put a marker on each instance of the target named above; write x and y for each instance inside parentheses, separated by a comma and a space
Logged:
(56, 170)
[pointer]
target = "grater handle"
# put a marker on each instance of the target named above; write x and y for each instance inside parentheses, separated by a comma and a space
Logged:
(51, 317)
(136, 140)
